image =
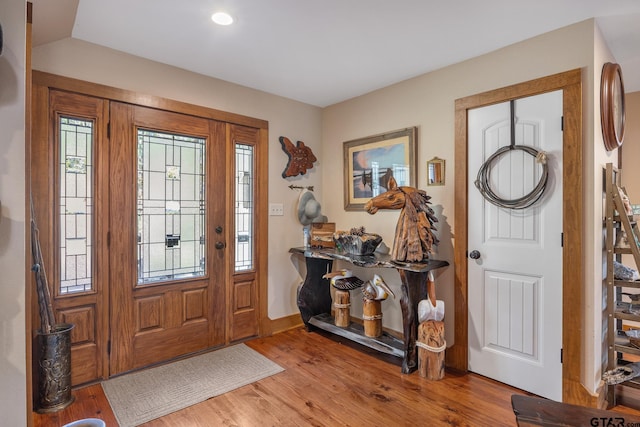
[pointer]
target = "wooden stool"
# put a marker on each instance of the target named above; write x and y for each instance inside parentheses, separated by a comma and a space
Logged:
(431, 345)
(372, 317)
(342, 305)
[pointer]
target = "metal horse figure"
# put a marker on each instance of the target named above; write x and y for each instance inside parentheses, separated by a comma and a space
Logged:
(414, 230)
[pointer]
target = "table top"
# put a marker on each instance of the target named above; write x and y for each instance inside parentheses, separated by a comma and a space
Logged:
(375, 260)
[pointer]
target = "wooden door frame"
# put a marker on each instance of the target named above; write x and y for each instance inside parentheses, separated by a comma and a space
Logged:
(29, 277)
(44, 82)
(570, 83)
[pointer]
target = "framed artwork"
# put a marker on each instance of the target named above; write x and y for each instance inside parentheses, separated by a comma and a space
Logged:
(370, 162)
(435, 171)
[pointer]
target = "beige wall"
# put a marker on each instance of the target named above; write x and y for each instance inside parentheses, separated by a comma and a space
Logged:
(427, 102)
(595, 160)
(13, 382)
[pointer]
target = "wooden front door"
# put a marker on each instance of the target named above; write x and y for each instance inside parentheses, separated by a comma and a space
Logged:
(151, 214)
(168, 235)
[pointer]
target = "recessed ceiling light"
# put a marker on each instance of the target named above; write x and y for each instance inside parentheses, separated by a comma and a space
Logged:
(222, 18)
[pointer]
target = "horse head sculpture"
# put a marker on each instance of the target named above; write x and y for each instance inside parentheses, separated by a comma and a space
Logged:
(414, 230)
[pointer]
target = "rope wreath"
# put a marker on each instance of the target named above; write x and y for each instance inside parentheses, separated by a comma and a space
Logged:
(482, 180)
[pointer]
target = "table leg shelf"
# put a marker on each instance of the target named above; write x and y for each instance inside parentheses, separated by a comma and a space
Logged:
(385, 343)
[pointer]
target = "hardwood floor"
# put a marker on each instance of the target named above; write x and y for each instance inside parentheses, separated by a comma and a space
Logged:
(328, 383)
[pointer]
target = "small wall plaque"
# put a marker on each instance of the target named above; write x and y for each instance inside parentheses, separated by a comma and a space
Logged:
(301, 157)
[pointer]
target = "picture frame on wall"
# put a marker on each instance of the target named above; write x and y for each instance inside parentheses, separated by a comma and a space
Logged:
(370, 162)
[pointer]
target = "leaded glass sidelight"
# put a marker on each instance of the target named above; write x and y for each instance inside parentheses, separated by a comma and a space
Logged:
(171, 207)
(244, 209)
(76, 204)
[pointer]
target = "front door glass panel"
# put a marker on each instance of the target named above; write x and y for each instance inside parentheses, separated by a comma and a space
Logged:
(171, 213)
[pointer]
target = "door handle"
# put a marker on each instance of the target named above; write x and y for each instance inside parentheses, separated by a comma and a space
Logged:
(220, 245)
(474, 254)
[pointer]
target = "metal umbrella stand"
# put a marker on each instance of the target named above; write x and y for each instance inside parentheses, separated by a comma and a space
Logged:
(53, 343)
(54, 369)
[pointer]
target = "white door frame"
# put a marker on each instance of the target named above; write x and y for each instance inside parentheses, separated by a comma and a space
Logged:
(457, 356)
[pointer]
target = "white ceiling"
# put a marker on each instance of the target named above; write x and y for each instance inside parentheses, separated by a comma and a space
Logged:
(323, 52)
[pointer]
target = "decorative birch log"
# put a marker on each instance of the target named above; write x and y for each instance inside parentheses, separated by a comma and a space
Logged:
(431, 345)
(372, 317)
(342, 305)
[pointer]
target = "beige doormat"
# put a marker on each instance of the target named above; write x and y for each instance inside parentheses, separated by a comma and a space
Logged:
(146, 395)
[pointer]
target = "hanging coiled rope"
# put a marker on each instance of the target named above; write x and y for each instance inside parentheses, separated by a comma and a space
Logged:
(482, 181)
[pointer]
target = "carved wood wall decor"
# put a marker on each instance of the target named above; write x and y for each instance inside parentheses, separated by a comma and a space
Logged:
(414, 230)
(301, 157)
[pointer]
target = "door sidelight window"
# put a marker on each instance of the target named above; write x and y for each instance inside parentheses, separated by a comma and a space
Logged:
(244, 207)
(76, 204)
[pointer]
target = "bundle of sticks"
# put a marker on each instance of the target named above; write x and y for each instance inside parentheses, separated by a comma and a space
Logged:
(47, 320)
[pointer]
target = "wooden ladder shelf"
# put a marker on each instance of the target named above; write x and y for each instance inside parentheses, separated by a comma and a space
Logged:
(621, 350)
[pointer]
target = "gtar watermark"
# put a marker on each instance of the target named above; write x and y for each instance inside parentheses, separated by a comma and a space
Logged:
(612, 422)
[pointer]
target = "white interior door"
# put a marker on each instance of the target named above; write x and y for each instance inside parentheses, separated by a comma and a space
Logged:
(515, 286)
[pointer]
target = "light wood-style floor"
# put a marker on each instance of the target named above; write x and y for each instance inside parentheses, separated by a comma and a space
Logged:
(328, 383)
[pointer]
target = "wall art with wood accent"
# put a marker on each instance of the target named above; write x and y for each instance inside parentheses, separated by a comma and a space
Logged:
(370, 163)
(301, 157)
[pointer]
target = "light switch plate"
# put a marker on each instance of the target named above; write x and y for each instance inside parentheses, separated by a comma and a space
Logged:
(276, 209)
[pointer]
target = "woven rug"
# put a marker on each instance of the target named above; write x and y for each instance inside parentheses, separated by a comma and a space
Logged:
(146, 395)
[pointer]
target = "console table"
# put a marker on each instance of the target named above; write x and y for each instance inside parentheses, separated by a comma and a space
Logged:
(314, 299)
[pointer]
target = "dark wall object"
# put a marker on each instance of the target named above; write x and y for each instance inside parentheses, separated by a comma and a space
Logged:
(301, 157)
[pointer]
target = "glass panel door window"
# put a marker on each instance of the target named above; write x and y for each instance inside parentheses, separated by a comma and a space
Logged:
(170, 207)
(76, 204)
(244, 207)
